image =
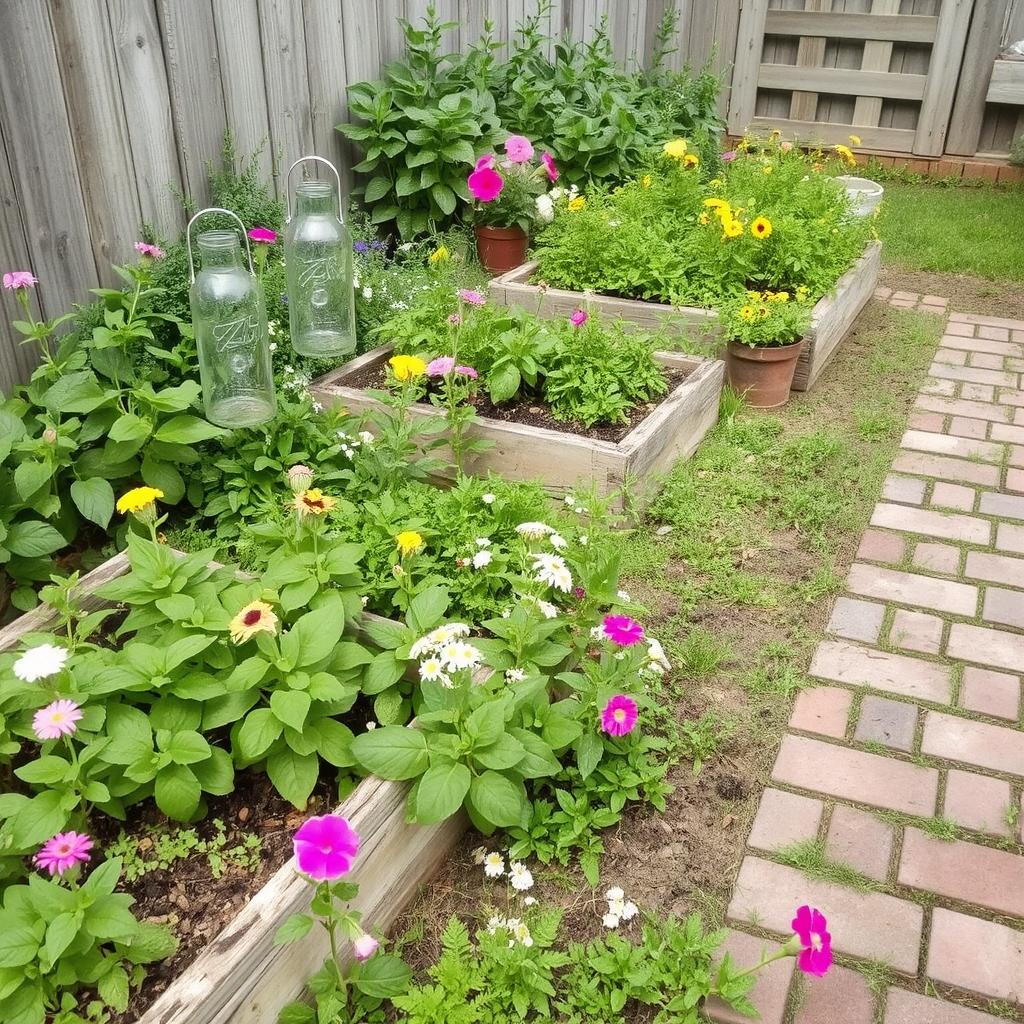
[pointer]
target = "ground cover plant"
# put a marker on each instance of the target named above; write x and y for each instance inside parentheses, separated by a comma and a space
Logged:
(772, 219)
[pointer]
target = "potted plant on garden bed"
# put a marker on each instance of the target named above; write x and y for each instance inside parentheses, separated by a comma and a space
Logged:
(765, 332)
(509, 198)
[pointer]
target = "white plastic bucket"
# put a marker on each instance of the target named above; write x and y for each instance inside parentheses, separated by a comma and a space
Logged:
(865, 194)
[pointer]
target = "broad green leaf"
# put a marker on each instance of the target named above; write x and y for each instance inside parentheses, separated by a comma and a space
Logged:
(113, 988)
(60, 933)
(291, 707)
(187, 429)
(177, 791)
(293, 775)
(257, 733)
(498, 799)
(33, 538)
(188, 747)
(110, 918)
(19, 945)
(217, 773)
(440, 792)
(293, 929)
(30, 476)
(589, 751)
(383, 976)
(392, 752)
(94, 499)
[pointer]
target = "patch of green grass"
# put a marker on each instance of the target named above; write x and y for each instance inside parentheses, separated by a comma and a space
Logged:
(699, 653)
(775, 678)
(954, 230)
(808, 857)
(700, 739)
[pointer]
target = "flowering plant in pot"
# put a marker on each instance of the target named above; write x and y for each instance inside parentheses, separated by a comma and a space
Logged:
(765, 332)
(505, 191)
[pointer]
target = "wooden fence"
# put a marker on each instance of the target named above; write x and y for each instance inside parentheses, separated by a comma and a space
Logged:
(109, 108)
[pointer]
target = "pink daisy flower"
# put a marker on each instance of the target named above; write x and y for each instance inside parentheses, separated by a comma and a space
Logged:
(455, 320)
(154, 252)
(549, 165)
(472, 297)
(440, 366)
(485, 184)
(728, 158)
(467, 371)
(14, 279)
(619, 715)
(519, 149)
(63, 852)
(325, 847)
(263, 235)
(56, 720)
(578, 317)
(484, 162)
(811, 929)
(622, 630)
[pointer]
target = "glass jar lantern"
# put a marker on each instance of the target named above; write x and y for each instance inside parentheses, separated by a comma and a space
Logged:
(318, 263)
(230, 323)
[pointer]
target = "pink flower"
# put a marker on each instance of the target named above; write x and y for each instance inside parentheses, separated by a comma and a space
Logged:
(811, 927)
(786, 146)
(484, 161)
(519, 149)
(440, 366)
(467, 371)
(579, 593)
(727, 158)
(472, 297)
(549, 165)
(455, 320)
(619, 715)
(19, 279)
(63, 852)
(578, 317)
(154, 252)
(56, 720)
(325, 847)
(364, 947)
(622, 630)
(485, 184)
(263, 235)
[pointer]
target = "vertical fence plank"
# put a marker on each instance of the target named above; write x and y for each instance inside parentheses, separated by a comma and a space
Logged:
(810, 53)
(284, 67)
(147, 108)
(749, 43)
(96, 116)
(947, 55)
(197, 93)
(328, 71)
(242, 79)
(42, 160)
(867, 110)
(392, 41)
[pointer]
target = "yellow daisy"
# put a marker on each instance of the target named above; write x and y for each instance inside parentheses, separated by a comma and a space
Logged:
(691, 160)
(314, 502)
(407, 367)
(747, 313)
(846, 153)
(409, 542)
(855, 140)
(645, 181)
(577, 204)
(676, 149)
(255, 617)
(138, 500)
(439, 255)
(761, 227)
(731, 228)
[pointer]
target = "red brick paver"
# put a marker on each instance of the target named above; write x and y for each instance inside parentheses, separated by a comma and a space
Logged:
(917, 718)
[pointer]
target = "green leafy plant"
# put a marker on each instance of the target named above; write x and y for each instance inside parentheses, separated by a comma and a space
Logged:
(765, 319)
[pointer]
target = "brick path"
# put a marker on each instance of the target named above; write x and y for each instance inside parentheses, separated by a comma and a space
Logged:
(915, 719)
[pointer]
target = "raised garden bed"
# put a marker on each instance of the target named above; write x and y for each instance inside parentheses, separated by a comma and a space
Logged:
(241, 976)
(560, 458)
(831, 319)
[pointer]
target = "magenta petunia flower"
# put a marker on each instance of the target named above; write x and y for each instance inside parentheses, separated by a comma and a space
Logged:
(440, 366)
(14, 279)
(485, 184)
(455, 320)
(619, 715)
(484, 161)
(578, 317)
(549, 165)
(519, 149)
(364, 947)
(811, 929)
(325, 847)
(154, 252)
(472, 297)
(63, 852)
(56, 720)
(263, 235)
(622, 630)
(467, 371)
(729, 157)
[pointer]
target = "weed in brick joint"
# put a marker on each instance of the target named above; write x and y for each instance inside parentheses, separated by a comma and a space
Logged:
(808, 857)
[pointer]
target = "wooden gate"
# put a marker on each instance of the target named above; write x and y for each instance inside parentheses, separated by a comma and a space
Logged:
(822, 70)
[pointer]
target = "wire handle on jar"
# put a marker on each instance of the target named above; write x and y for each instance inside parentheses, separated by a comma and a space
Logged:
(288, 185)
(188, 237)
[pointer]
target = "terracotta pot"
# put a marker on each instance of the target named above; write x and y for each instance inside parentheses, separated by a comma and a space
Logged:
(500, 249)
(763, 376)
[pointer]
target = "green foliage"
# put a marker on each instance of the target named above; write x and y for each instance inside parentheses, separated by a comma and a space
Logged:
(1017, 151)
(158, 849)
(765, 319)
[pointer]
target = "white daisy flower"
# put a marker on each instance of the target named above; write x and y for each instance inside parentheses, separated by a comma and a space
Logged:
(610, 921)
(520, 876)
(557, 541)
(584, 540)
(514, 675)
(431, 669)
(547, 609)
(421, 647)
(481, 559)
(530, 901)
(659, 662)
(551, 569)
(456, 656)
(366, 437)
(494, 865)
(370, 726)
(616, 907)
(367, 293)
(615, 893)
(629, 911)
(289, 369)
(494, 923)
(483, 542)
(570, 500)
(40, 662)
(534, 531)
(488, 499)
(273, 346)
(522, 934)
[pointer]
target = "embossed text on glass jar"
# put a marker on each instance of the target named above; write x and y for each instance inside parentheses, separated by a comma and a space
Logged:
(231, 335)
(318, 261)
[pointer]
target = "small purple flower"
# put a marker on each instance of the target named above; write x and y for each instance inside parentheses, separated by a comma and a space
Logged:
(727, 158)
(378, 244)
(15, 279)
(154, 252)
(474, 298)
(441, 366)
(455, 320)
(578, 317)
(361, 246)
(467, 371)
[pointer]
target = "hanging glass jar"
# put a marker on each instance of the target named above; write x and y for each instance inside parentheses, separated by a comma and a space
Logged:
(318, 262)
(230, 323)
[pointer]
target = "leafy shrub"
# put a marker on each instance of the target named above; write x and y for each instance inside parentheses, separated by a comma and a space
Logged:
(765, 319)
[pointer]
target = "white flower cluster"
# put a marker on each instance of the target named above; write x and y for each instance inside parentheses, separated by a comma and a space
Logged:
(519, 930)
(483, 555)
(444, 652)
(40, 663)
(349, 444)
(514, 675)
(519, 875)
(546, 608)
(545, 202)
(295, 382)
(551, 569)
(571, 501)
(534, 531)
(619, 908)
(658, 663)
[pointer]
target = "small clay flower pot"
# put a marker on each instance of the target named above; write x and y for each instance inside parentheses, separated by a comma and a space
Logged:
(500, 249)
(763, 376)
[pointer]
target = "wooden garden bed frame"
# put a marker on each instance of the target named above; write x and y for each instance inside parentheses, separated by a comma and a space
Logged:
(241, 977)
(832, 318)
(562, 460)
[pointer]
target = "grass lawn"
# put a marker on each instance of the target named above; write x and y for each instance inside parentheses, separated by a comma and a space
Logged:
(959, 229)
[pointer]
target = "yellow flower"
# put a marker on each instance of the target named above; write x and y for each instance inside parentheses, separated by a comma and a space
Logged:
(801, 292)
(761, 227)
(690, 160)
(855, 140)
(754, 296)
(703, 218)
(747, 313)
(716, 183)
(255, 617)
(409, 542)
(846, 153)
(778, 296)
(768, 169)
(577, 204)
(716, 204)
(139, 500)
(439, 255)
(676, 149)
(407, 367)
(645, 181)
(314, 502)
(731, 228)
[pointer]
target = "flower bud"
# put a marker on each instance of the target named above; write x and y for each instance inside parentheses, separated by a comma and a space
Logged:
(50, 435)
(299, 478)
